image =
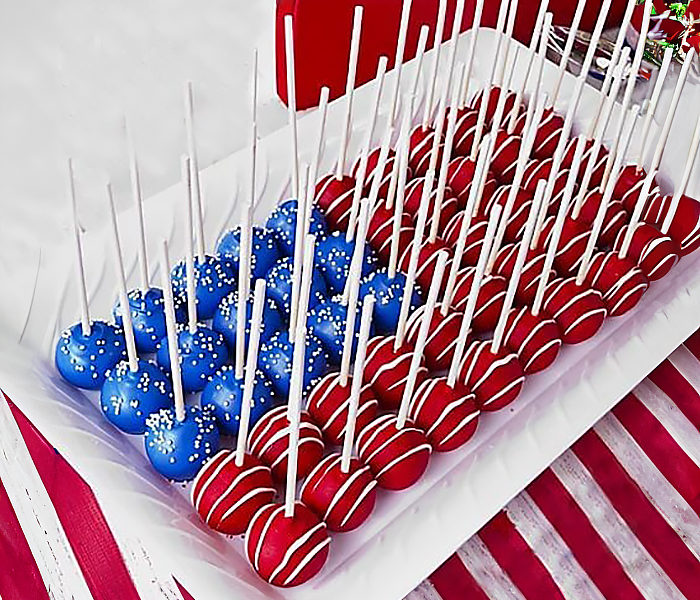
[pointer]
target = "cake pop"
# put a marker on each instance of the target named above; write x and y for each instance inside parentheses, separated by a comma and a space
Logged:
(327, 324)
(133, 388)
(334, 254)
(214, 280)
(489, 304)
(282, 222)
(279, 285)
(448, 415)
(230, 489)
(178, 442)
(505, 155)
(264, 255)
(87, 350)
(341, 490)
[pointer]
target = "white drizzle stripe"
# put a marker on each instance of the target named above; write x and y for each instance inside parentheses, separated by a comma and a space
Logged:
(293, 548)
(308, 558)
(405, 456)
(245, 498)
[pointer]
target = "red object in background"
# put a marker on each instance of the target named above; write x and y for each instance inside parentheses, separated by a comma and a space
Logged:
(322, 31)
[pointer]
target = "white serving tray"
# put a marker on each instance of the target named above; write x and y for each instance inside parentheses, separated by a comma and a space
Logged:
(411, 532)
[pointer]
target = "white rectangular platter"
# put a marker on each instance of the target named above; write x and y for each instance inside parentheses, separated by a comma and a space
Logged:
(411, 532)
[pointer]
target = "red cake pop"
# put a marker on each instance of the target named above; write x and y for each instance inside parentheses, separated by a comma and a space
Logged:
(505, 263)
(440, 345)
(269, 441)
(615, 216)
(226, 496)
(571, 246)
(518, 216)
(334, 197)
(427, 259)
(494, 95)
(598, 169)
(342, 500)
(286, 550)
(535, 339)
(621, 282)
(548, 134)
(397, 456)
(578, 309)
(505, 156)
(538, 170)
(490, 299)
(414, 195)
(654, 252)
(460, 174)
(370, 172)
(421, 145)
(475, 236)
(464, 134)
(381, 227)
(328, 407)
(495, 378)
(629, 184)
(448, 415)
(684, 227)
(386, 369)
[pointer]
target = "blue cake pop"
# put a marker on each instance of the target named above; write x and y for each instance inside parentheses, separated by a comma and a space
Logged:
(279, 286)
(83, 360)
(214, 279)
(283, 222)
(178, 449)
(128, 397)
(276, 361)
(389, 296)
(224, 393)
(333, 259)
(327, 321)
(265, 251)
(147, 317)
(202, 354)
(226, 315)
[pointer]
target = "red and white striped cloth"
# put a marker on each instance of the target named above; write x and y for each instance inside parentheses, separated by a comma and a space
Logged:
(616, 516)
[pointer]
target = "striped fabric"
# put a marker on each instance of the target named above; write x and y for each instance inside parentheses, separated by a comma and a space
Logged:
(616, 516)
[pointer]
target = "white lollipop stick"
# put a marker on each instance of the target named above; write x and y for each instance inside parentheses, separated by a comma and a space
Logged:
(422, 339)
(518, 268)
(194, 167)
(663, 137)
(297, 379)
(298, 260)
(250, 370)
(356, 388)
(137, 196)
(353, 290)
(318, 152)
(637, 213)
(381, 164)
(680, 190)
(510, 26)
(253, 134)
(614, 59)
(292, 100)
(651, 108)
(531, 53)
(559, 225)
(446, 154)
(186, 173)
(486, 91)
(476, 26)
(124, 308)
(413, 259)
(542, 55)
(437, 50)
(243, 279)
(399, 56)
(350, 89)
(605, 200)
(402, 161)
(494, 216)
(399, 167)
(629, 89)
(608, 104)
(79, 266)
(420, 54)
(361, 174)
(453, 44)
(479, 173)
(568, 47)
(171, 329)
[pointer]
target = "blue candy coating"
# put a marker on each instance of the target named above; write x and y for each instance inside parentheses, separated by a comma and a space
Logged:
(147, 317)
(214, 279)
(279, 286)
(327, 321)
(283, 222)
(129, 397)
(333, 258)
(178, 449)
(276, 362)
(388, 294)
(223, 396)
(83, 361)
(265, 250)
(202, 354)
(226, 315)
